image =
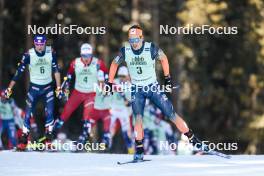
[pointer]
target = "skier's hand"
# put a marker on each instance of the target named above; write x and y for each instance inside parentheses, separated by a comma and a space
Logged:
(66, 92)
(168, 84)
(59, 92)
(8, 92)
(127, 103)
(108, 89)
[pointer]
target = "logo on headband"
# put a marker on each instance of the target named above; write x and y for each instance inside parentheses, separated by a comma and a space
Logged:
(133, 31)
(39, 39)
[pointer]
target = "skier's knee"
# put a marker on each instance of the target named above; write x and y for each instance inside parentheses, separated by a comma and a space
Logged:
(172, 116)
(139, 117)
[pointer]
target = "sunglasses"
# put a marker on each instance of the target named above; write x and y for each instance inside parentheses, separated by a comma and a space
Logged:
(86, 55)
(134, 40)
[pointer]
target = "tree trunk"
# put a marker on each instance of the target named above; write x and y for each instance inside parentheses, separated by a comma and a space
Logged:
(1, 39)
(28, 18)
(106, 43)
(135, 12)
(178, 73)
(155, 21)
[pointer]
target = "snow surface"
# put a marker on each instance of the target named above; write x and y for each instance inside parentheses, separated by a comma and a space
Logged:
(87, 164)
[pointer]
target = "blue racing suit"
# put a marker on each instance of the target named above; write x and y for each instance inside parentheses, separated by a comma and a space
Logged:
(41, 87)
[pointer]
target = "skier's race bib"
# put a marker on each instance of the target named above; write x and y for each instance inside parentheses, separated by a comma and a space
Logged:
(86, 76)
(141, 67)
(40, 68)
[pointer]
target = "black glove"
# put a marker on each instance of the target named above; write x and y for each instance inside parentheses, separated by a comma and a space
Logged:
(168, 85)
(195, 141)
(108, 88)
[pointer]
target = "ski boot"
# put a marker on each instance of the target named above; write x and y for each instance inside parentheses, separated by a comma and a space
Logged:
(22, 142)
(83, 138)
(47, 138)
(139, 154)
(107, 140)
(57, 126)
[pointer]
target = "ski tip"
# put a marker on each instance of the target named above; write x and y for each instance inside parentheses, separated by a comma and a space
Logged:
(133, 161)
(225, 156)
(228, 157)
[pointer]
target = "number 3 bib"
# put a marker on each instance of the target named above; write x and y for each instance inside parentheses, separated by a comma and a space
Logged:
(141, 67)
